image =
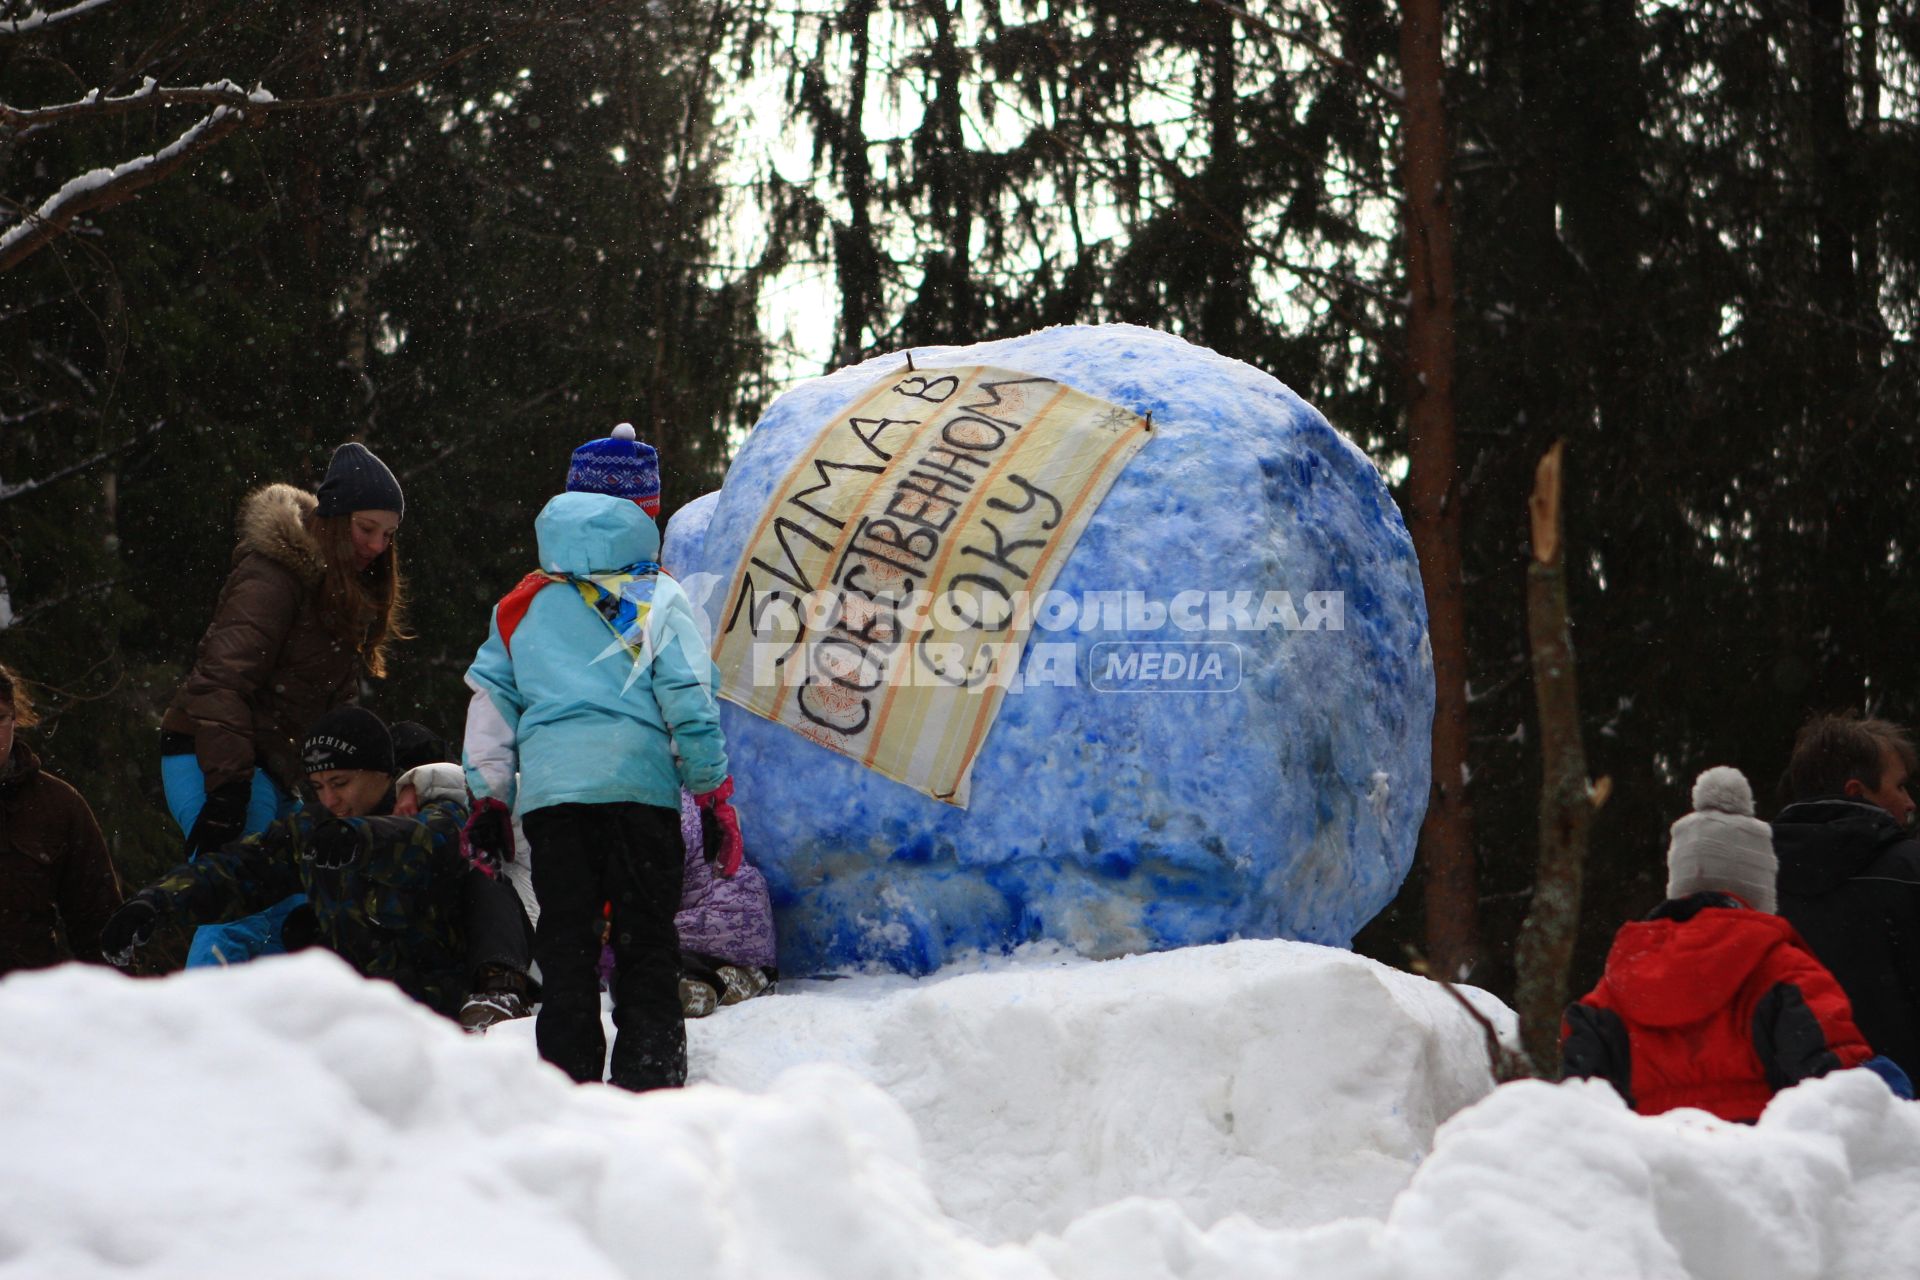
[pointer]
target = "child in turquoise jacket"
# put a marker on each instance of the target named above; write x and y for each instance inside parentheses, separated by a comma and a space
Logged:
(594, 688)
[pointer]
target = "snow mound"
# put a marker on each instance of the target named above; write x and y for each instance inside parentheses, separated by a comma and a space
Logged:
(1562, 1180)
(1287, 1082)
(286, 1118)
(1227, 1113)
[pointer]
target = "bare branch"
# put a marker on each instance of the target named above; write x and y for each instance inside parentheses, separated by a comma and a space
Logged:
(8, 492)
(224, 92)
(1318, 50)
(1503, 1064)
(430, 462)
(27, 615)
(36, 23)
(41, 410)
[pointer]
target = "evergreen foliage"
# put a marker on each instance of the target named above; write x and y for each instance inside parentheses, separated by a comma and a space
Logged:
(1685, 243)
(471, 276)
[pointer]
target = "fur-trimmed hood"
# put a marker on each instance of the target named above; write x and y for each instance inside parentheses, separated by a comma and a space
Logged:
(270, 663)
(272, 521)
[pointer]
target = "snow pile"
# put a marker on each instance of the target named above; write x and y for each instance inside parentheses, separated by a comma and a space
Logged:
(1227, 1112)
(1287, 1082)
(1563, 1180)
(285, 1118)
(1111, 815)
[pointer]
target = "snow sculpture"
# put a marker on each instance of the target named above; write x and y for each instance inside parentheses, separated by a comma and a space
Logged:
(1219, 729)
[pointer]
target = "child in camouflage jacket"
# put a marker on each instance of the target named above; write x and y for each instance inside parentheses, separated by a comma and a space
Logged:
(386, 891)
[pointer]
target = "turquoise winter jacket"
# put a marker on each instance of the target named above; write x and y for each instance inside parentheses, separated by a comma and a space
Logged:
(564, 709)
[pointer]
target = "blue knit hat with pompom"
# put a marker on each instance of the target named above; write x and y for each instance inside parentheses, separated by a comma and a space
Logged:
(619, 465)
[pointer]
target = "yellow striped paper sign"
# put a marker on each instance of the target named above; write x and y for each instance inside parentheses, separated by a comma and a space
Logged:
(884, 601)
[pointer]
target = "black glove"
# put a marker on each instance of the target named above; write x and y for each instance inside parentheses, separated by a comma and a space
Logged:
(223, 818)
(127, 930)
(490, 830)
(335, 844)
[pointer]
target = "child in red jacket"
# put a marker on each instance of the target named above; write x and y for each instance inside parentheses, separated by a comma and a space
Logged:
(1713, 1001)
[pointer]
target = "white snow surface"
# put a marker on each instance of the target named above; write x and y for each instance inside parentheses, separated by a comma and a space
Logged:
(1253, 1109)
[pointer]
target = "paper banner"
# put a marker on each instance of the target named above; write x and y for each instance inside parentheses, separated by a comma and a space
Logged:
(885, 599)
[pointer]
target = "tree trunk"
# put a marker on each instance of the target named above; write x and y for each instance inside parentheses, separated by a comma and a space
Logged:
(1433, 517)
(1836, 195)
(1567, 802)
(1833, 351)
(1867, 207)
(948, 302)
(1224, 314)
(856, 257)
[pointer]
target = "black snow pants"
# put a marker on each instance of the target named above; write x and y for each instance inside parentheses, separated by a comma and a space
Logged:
(628, 855)
(497, 930)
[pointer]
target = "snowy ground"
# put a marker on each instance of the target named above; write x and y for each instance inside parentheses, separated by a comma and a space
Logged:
(1258, 1109)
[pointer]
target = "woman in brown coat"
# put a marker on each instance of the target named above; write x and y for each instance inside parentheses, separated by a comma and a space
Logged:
(54, 869)
(312, 601)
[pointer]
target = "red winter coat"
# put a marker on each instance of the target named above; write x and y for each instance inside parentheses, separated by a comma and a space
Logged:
(1709, 1004)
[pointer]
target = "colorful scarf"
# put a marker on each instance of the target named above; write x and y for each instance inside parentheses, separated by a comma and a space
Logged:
(624, 601)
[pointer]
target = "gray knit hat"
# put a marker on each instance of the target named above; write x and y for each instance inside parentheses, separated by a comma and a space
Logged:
(1721, 847)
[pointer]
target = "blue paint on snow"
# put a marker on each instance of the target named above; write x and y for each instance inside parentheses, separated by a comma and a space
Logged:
(1121, 822)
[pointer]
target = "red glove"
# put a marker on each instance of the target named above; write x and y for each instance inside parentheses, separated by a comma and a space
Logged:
(720, 829)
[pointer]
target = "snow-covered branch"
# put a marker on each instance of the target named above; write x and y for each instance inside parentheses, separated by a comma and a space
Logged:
(35, 23)
(233, 107)
(150, 94)
(104, 188)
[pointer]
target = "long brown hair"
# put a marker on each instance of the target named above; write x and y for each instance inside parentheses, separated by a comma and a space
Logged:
(367, 607)
(13, 692)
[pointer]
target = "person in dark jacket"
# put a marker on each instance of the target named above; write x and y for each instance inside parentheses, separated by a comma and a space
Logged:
(1850, 871)
(1713, 1001)
(388, 893)
(313, 599)
(499, 928)
(55, 874)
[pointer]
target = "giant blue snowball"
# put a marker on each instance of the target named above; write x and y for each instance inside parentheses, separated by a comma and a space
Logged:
(1136, 819)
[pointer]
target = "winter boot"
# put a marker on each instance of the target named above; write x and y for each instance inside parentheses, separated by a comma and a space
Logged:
(741, 982)
(500, 995)
(698, 998)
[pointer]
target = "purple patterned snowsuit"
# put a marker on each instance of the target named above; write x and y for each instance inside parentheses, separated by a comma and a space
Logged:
(728, 921)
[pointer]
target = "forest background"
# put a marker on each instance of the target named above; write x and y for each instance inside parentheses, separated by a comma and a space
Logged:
(1685, 239)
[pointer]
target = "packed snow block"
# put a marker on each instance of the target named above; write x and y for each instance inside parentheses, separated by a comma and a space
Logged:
(1271, 1082)
(1221, 728)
